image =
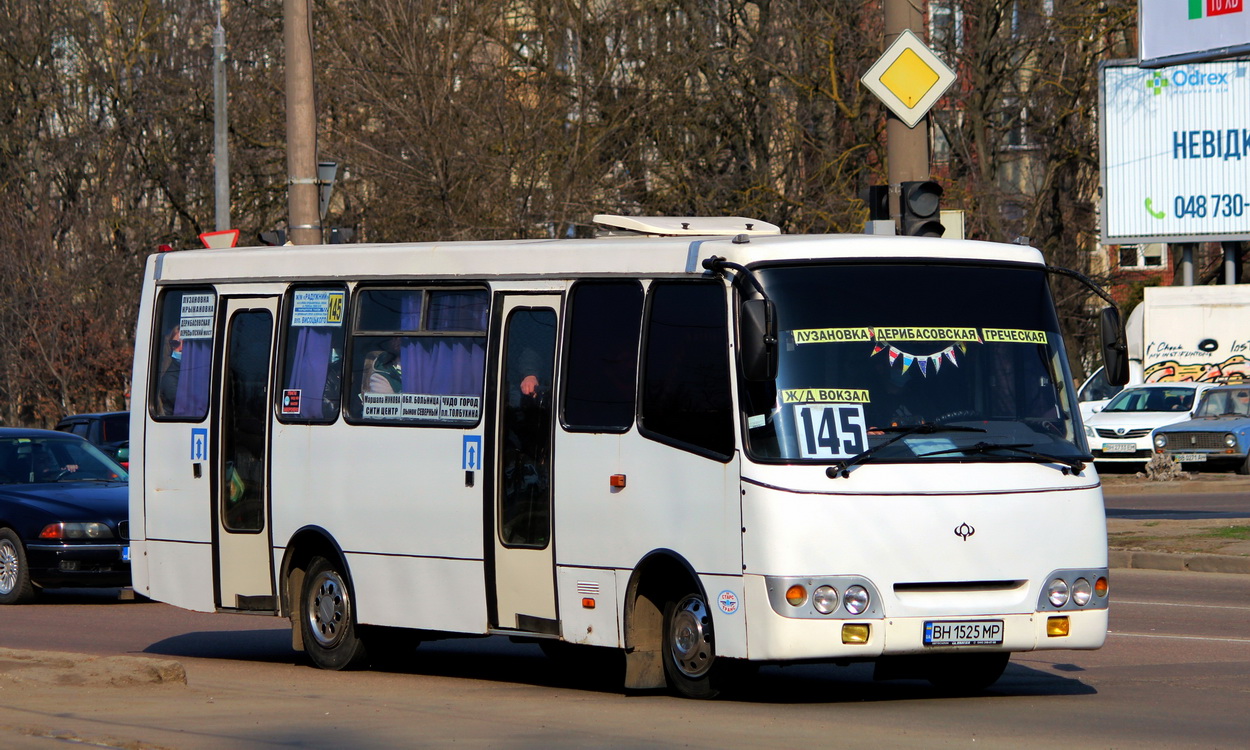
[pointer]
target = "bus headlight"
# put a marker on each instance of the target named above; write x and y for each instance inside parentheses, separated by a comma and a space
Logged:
(1057, 592)
(1161, 441)
(855, 599)
(825, 599)
(1082, 592)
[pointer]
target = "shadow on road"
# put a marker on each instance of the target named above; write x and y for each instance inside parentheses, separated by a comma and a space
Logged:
(498, 659)
(244, 645)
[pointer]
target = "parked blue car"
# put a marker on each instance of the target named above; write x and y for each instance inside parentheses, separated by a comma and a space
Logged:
(1218, 436)
(63, 515)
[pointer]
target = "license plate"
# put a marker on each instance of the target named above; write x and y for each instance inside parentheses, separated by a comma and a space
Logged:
(1189, 457)
(963, 633)
(1119, 447)
(125, 554)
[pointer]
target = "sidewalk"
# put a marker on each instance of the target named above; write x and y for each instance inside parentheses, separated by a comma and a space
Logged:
(1201, 545)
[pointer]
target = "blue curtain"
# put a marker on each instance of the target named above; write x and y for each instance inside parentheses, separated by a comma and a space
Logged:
(193, 378)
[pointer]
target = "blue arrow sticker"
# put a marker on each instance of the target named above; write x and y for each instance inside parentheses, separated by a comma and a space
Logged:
(471, 454)
(199, 443)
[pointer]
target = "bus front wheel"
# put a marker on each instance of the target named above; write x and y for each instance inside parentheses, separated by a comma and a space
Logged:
(328, 621)
(690, 648)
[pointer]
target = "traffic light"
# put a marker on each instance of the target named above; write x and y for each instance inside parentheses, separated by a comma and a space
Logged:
(877, 198)
(920, 202)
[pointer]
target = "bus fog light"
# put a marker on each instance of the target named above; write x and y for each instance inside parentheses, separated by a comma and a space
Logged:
(1082, 592)
(796, 595)
(856, 632)
(1101, 587)
(825, 599)
(1057, 592)
(855, 599)
(1056, 627)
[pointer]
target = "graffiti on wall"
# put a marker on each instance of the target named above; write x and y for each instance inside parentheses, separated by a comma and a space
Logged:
(1232, 370)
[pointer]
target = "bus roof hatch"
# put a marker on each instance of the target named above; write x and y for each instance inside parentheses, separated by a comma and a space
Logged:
(676, 226)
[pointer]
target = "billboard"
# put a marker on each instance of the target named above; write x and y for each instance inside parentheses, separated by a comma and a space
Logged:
(1180, 31)
(1175, 152)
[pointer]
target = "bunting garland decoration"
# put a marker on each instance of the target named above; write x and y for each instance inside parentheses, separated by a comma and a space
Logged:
(922, 361)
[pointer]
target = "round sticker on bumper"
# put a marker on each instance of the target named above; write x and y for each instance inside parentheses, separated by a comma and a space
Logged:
(728, 602)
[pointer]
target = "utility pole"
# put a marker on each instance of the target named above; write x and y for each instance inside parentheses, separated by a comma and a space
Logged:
(907, 149)
(221, 120)
(303, 221)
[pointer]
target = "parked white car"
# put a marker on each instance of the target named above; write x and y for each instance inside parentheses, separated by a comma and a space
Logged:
(1120, 432)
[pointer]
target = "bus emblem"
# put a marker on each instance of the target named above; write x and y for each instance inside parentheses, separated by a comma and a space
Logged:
(964, 531)
(728, 602)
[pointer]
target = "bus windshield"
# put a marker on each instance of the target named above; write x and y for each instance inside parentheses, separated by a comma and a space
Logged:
(913, 362)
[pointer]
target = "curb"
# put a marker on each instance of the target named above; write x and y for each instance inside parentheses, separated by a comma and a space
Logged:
(57, 668)
(1197, 563)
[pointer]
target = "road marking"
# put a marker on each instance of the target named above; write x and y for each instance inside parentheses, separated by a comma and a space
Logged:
(1177, 604)
(1181, 637)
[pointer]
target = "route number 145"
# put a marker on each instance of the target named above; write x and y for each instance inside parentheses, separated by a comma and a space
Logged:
(831, 430)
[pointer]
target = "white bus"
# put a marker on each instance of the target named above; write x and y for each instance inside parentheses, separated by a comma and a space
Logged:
(697, 441)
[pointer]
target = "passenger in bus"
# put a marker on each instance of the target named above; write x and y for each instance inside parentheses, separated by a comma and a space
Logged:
(382, 371)
(171, 370)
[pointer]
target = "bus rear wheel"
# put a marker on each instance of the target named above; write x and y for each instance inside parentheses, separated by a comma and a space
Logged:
(327, 619)
(690, 648)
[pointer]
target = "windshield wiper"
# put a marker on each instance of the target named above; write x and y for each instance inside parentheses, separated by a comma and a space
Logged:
(842, 468)
(1020, 448)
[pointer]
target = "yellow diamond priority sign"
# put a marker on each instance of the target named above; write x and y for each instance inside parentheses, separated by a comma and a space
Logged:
(908, 78)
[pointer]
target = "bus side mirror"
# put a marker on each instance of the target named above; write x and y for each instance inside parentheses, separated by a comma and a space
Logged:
(1114, 347)
(757, 329)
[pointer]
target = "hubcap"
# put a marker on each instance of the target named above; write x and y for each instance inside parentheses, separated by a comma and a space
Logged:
(690, 638)
(8, 567)
(328, 609)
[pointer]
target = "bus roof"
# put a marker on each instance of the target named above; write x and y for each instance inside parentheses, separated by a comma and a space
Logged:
(605, 255)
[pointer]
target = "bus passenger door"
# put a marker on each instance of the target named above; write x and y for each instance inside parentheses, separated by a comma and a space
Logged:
(524, 561)
(241, 507)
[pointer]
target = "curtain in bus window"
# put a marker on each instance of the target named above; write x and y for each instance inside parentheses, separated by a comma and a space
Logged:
(194, 372)
(310, 371)
(458, 311)
(445, 365)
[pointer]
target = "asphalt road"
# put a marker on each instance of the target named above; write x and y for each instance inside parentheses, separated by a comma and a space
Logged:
(1179, 505)
(1174, 673)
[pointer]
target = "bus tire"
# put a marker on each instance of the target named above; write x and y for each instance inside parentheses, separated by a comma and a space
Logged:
(690, 648)
(328, 619)
(966, 673)
(15, 585)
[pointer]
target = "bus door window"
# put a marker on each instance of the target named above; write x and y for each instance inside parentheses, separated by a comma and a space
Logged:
(525, 503)
(244, 411)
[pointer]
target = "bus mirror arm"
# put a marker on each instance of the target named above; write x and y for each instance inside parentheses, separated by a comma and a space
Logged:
(1111, 328)
(757, 325)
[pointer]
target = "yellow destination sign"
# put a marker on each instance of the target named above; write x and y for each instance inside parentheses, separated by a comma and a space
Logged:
(825, 396)
(908, 78)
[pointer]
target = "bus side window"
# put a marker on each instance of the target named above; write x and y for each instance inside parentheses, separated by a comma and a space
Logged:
(600, 378)
(182, 364)
(685, 388)
(418, 355)
(312, 376)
